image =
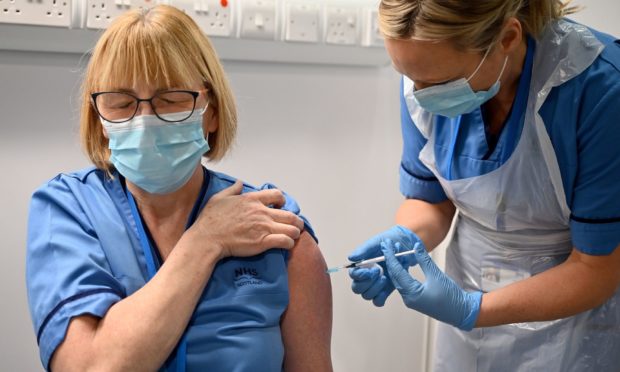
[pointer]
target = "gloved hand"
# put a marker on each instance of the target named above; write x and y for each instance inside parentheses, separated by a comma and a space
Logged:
(439, 296)
(371, 282)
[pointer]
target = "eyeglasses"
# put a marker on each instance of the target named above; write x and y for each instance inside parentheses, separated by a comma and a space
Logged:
(171, 106)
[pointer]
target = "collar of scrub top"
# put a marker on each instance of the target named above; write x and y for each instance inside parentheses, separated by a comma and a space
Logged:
(154, 261)
(512, 125)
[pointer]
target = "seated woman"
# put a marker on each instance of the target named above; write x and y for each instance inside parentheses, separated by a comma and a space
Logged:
(149, 261)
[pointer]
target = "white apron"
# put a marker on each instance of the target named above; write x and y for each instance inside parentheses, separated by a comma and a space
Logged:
(514, 223)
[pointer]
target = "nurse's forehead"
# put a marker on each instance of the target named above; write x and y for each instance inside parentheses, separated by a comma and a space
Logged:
(426, 61)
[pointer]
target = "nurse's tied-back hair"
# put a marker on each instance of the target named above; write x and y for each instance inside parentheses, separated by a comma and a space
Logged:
(472, 25)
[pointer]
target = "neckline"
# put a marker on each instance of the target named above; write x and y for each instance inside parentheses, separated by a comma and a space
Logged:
(150, 249)
(508, 137)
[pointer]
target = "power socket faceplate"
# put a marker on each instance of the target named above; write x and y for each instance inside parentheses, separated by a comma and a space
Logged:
(341, 25)
(215, 17)
(302, 22)
(100, 13)
(258, 19)
(36, 12)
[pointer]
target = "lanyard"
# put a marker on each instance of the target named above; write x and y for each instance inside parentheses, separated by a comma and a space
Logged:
(152, 264)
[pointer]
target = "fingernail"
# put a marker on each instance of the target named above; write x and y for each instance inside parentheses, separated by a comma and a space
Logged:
(416, 246)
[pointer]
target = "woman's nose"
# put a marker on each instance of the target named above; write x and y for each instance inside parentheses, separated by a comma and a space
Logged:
(145, 108)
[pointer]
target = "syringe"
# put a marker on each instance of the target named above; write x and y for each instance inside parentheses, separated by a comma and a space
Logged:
(369, 261)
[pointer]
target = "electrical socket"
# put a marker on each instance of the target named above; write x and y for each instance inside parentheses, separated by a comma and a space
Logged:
(258, 19)
(36, 12)
(341, 25)
(215, 18)
(302, 22)
(372, 33)
(100, 13)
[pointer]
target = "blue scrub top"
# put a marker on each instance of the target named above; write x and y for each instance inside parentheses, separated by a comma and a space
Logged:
(582, 118)
(84, 254)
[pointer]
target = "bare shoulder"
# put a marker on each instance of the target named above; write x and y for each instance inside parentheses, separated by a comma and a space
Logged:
(306, 252)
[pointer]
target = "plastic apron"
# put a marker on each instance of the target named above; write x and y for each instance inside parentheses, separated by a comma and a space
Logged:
(513, 223)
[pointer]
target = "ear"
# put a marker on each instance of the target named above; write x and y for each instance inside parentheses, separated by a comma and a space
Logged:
(210, 120)
(512, 36)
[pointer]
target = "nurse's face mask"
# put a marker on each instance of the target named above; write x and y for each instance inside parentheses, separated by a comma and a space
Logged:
(456, 98)
(159, 152)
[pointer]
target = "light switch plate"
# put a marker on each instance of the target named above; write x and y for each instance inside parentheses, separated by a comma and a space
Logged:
(372, 34)
(302, 22)
(258, 19)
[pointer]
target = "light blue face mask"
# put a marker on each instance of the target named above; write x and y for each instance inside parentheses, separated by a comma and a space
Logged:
(157, 156)
(456, 97)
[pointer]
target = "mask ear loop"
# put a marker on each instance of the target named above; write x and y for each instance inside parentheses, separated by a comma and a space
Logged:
(503, 68)
(204, 109)
(204, 91)
(480, 64)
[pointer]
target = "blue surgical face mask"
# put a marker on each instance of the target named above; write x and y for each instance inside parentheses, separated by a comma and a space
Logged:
(157, 156)
(456, 97)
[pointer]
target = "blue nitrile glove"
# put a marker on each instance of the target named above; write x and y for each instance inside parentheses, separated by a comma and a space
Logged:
(439, 296)
(371, 282)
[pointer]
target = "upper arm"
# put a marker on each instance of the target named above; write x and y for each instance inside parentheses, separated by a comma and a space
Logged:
(416, 180)
(67, 273)
(595, 207)
(307, 322)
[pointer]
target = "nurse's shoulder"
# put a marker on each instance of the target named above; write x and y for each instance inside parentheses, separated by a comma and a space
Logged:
(219, 181)
(86, 191)
(75, 182)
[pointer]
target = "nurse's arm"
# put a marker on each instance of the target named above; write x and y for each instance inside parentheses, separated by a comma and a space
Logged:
(307, 322)
(581, 283)
(430, 222)
(139, 332)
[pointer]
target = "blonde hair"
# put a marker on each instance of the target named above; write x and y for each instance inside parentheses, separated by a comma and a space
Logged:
(162, 47)
(471, 25)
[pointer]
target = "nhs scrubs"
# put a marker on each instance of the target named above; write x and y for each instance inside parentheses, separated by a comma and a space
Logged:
(88, 249)
(545, 184)
(582, 119)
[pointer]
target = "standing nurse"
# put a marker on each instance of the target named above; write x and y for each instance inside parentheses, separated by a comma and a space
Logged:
(510, 116)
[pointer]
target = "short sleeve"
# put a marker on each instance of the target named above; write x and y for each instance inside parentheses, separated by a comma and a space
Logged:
(67, 273)
(416, 180)
(595, 220)
(292, 206)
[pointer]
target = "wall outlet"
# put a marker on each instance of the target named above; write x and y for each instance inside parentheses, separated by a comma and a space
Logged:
(36, 12)
(258, 19)
(372, 34)
(100, 13)
(215, 17)
(341, 25)
(301, 22)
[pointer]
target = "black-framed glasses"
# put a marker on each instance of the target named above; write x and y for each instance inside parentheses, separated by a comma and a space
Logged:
(171, 105)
